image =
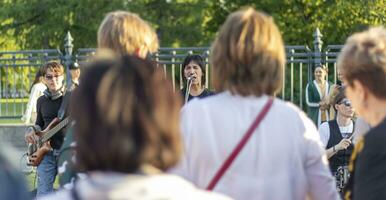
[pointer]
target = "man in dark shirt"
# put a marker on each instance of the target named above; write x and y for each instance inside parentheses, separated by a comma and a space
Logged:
(47, 108)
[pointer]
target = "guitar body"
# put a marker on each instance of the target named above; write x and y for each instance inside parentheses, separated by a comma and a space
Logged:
(37, 150)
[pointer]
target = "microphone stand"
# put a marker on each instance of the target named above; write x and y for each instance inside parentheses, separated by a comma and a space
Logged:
(188, 86)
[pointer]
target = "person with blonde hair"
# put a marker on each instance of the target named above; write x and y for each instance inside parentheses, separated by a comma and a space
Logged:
(120, 33)
(126, 33)
(243, 142)
(363, 64)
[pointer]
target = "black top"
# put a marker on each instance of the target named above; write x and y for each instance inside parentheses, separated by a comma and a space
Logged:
(47, 109)
(342, 157)
(369, 178)
(204, 94)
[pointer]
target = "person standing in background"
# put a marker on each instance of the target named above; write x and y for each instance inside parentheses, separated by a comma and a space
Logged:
(75, 74)
(37, 89)
(194, 70)
(317, 93)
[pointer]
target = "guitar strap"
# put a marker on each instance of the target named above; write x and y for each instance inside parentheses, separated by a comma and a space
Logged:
(63, 105)
(227, 163)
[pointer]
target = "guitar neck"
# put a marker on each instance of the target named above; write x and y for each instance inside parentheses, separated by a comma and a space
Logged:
(54, 130)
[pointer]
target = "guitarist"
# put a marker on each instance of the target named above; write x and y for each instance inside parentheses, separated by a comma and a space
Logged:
(47, 108)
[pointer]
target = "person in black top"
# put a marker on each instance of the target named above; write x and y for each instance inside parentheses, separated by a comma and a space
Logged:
(48, 106)
(194, 78)
(336, 135)
(363, 64)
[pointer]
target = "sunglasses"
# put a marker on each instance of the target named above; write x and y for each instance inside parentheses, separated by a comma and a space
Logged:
(346, 102)
(50, 77)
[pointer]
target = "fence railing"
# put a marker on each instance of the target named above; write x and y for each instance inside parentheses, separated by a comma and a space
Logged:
(18, 68)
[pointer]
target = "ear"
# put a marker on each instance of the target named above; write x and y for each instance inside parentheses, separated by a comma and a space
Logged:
(336, 106)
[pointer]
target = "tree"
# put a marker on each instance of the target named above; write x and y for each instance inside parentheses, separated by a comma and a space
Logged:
(298, 19)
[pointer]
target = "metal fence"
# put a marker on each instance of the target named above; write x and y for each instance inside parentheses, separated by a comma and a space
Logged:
(17, 69)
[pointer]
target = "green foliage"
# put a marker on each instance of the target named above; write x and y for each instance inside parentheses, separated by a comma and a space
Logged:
(38, 24)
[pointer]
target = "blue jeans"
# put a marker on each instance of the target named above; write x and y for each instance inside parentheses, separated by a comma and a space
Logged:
(47, 171)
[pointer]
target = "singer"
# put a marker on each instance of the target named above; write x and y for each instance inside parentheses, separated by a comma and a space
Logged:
(194, 78)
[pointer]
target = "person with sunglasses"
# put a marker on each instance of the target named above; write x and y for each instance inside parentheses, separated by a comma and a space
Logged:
(336, 136)
(47, 108)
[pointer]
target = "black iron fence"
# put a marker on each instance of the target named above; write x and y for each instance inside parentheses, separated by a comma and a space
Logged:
(18, 68)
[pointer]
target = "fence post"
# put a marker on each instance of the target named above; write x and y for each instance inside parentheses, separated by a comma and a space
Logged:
(68, 47)
(317, 51)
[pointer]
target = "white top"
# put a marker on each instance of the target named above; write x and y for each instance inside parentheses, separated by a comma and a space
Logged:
(324, 131)
(104, 186)
(37, 90)
(284, 158)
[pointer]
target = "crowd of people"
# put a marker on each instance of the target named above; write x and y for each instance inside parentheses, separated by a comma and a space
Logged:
(130, 136)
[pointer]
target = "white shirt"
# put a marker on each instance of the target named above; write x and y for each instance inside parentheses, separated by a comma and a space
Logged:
(37, 90)
(139, 187)
(284, 158)
(324, 131)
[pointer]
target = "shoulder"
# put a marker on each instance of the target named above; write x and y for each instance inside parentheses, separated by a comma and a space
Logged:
(178, 188)
(41, 99)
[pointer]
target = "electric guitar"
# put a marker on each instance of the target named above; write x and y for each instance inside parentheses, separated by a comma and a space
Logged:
(54, 127)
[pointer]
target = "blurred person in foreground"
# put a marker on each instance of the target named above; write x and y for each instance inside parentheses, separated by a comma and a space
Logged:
(284, 158)
(123, 33)
(12, 183)
(363, 64)
(127, 134)
(194, 78)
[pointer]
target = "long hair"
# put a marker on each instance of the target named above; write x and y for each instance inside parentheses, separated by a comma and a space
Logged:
(127, 115)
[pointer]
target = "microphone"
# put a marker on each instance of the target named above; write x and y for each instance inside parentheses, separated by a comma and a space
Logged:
(190, 77)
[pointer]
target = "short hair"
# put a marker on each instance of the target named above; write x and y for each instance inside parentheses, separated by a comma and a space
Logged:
(248, 54)
(127, 115)
(363, 58)
(53, 66)
(197, 59)
(125, 32)
(339, 96)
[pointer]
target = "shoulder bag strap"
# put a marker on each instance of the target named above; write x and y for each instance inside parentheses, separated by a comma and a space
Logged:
(240, 145)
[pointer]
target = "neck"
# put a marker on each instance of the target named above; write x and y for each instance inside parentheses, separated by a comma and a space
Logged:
(375, 112)
(320, 81)
(342, 120)
(196, 89)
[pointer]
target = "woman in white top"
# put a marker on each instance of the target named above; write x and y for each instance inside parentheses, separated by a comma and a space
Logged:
(284, 158)
(37, 90)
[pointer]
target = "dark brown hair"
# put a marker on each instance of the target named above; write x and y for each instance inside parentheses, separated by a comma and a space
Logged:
(54, 66)
(127, 115)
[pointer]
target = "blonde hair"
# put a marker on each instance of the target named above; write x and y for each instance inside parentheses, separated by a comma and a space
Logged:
(248, 55)
(363, 58)
(126, 33)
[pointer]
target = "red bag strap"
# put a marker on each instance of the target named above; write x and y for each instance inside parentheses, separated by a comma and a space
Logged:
(240, 145)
